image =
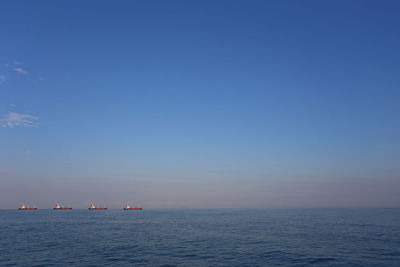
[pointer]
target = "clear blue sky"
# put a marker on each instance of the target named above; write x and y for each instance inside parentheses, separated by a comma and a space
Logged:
(197, 104)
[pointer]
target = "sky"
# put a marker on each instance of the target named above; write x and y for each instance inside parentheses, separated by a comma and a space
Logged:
(200, 104)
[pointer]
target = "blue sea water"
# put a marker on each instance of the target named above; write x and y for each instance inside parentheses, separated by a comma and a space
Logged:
(286, 237)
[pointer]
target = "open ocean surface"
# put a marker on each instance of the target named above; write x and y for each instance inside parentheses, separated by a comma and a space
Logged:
(287, 237)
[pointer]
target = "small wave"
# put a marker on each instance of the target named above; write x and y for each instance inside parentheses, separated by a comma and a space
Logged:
(189, 255)
(320, 260)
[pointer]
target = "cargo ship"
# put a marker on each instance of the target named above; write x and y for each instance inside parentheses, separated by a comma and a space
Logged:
(58, 207)
(93, 207)
(23, 207)
(127, 207)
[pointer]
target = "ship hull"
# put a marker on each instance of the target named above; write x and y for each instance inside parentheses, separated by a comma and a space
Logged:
(97, 208)
(133, 208)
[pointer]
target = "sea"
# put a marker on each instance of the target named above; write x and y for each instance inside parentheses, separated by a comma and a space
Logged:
(217, 237)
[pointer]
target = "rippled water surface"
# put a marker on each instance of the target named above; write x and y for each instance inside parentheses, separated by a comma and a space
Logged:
(328, 237)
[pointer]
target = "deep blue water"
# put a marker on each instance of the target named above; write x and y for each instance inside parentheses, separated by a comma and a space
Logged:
(287, 237)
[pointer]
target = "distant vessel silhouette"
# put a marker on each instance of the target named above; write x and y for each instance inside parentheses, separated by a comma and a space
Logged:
(93, 207)
(127, 207)
(23, 207)
(58, 207)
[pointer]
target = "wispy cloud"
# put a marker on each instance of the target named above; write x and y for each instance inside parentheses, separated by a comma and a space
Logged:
(13, 119)
(21, 70)
(13, 105)
(10, 70)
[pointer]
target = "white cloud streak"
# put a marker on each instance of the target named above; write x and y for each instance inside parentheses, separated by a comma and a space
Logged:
(13, 119)
(20, 70)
